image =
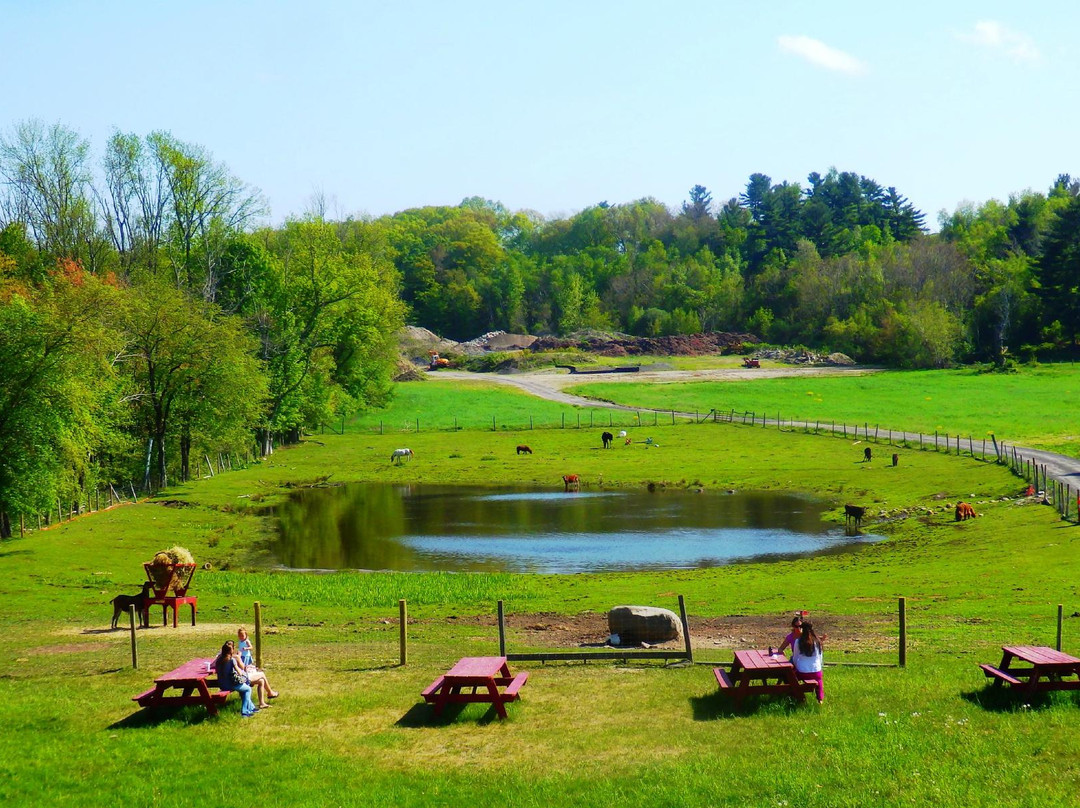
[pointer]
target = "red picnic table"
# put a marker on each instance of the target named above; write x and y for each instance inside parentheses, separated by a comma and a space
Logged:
(1050, 669)
(191, 679)
(482, 676)
(167, 602)
(758, 673)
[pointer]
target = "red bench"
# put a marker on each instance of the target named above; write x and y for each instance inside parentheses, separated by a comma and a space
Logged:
(482, 677)
(991, 672)
(191, 679)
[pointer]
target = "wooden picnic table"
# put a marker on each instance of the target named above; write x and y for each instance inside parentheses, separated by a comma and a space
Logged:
(482, 677)
(1046, 669)
(760, 673)
(191, 679)
(167, 602)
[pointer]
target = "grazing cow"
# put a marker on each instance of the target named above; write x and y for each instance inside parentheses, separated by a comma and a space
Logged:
(401, 455)
(121, 603)
(607, 438)
(571, 480)
(523, 449)
(964, 511)
(896, 460)
(867, 455)
(854, 513)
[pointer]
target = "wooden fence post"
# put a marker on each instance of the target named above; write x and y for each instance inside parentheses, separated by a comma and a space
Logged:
(403, 637)
(903, 632)
(1058, 646)
(502, 630)
(685, 629)
(258, 635)
(134, 648)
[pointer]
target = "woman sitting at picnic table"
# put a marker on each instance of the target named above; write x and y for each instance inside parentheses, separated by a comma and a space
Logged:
(789, 640)
(256, 678)
(806, 656)
(226, 663)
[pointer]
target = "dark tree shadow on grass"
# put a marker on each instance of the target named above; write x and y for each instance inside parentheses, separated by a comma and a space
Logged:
(995, 699)
(423, 715)
(149, 717)
(719, 704)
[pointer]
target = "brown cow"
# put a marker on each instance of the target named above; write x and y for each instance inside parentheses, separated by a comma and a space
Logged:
(571, 480)
(523, 449)
(854, 513)
(964, 511)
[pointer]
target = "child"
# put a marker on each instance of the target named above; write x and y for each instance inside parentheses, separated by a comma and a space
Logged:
(244, 645)
(806, 656)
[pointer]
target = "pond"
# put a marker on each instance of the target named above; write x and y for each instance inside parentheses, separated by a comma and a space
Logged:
(454, 528)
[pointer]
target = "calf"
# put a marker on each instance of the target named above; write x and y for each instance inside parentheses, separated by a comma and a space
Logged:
(896, 460)
(523, 449)
(121, 603)
(571, 480)
(964, 511)
(607, 438)
(854, 513)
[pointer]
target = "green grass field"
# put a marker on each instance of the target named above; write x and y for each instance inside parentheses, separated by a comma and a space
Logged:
(350, 729)
(1036, 407)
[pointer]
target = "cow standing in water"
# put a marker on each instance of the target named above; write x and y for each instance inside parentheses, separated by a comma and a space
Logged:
(401, 455)
(607, 438)
(854, 513)
(571, 480)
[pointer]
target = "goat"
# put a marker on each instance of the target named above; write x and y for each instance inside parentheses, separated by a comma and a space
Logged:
(571, 480)
(607, 438)
(854, 513)
(401, 455)
(121, 603)
(523, 449)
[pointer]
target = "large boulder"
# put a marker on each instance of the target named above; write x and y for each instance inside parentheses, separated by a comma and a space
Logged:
(638, 624)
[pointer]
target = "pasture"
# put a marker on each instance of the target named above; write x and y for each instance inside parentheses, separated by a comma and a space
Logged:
(1036, 406)
(349, 728)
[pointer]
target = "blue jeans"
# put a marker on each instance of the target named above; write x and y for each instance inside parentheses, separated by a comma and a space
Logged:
(246, 705)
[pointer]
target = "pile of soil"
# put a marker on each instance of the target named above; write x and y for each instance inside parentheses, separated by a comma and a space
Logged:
(713, 342)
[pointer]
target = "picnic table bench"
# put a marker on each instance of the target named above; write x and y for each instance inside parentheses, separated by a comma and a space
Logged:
(761, 673)
(191, 678)
(482, 677)
(1047, 669)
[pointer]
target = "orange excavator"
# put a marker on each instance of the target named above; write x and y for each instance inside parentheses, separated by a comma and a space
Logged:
(437, 361)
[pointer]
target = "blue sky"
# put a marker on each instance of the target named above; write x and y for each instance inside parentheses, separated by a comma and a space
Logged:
(555, 106)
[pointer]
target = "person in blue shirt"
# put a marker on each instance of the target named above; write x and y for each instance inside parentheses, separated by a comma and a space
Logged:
(256, 677)
(224, 665)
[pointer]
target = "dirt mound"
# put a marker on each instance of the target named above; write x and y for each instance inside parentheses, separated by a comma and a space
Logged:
(800, 356)
(713, 342)
(406, 371)
(415, 343)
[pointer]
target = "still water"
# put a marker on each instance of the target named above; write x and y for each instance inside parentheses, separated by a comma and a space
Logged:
(433, 527)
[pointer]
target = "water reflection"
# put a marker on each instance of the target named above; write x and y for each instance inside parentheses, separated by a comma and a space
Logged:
(430, 527)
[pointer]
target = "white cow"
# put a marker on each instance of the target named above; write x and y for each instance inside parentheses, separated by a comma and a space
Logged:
(401, 455)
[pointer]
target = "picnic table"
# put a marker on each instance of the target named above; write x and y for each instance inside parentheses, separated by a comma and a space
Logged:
(167, 602)
(482, 677)
(1049, 669)
(191, 678)
(760, 673)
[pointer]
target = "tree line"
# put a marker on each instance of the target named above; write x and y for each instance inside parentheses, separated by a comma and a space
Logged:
(148, 314)
(148, 317)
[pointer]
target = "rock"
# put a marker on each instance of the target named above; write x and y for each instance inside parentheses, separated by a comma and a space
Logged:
(638, 624)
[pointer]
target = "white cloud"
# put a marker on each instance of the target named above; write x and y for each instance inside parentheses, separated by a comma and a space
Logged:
(818, 53)
(992, 34)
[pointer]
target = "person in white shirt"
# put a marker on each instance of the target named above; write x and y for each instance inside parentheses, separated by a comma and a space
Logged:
(806, 656)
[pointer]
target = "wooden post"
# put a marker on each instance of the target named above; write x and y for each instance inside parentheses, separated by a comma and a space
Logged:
(417, 424)
(673, 417)
(903, 632)
(134, 648)
(685, 629)
(493, 423)
(59, 513)
(258, 635)
(403, 635)
(564, 420)
(502, 630)
(133, 497)
(22, 526)
(579, 420)
(209, 465)
(1058, 646)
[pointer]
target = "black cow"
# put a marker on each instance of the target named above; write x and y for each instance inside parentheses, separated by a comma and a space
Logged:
(607, 438)
(854, 513)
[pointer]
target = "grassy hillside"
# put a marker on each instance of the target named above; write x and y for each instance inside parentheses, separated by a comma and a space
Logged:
(350, 728)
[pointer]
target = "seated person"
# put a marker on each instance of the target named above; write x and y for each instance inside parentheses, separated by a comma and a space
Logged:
(226, 663)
